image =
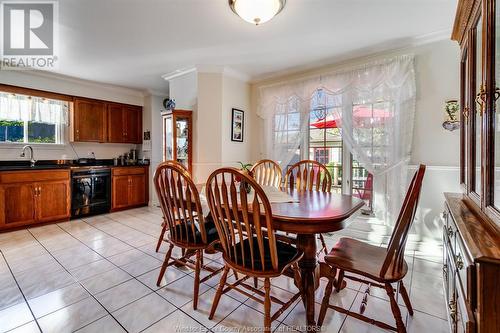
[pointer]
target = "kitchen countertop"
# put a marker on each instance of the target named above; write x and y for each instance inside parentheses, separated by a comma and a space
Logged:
(20, 165)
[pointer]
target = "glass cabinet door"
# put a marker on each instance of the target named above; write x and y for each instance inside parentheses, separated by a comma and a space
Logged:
(168, 142)
(465, 115)
(479, 106)
(182, 143)
(496, 115)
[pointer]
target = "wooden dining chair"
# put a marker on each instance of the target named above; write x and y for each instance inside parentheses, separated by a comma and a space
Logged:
(164, 225)
(309, 175)
(267, 173)
(187, 227)
(380, 267)
(245, 227)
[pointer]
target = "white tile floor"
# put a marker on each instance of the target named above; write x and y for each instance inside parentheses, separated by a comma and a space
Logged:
(99, 274)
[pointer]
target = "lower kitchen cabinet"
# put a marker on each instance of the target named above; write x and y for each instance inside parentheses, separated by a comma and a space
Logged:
(129, 187)
(29, 197)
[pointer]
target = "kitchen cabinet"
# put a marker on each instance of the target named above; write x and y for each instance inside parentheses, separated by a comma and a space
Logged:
(88, 121)
(30, 197)
(124, 123)
(129, 187)
(100, 121)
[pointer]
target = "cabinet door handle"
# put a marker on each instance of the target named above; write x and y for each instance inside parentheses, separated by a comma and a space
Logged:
(452, 305)
(459, 262)
(450, 232)
(481, 99)
(466, 113)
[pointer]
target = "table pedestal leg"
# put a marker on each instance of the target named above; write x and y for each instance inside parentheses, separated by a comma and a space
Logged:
(307, 243)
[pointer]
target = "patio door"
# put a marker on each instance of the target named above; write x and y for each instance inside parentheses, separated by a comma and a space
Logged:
(325, 145)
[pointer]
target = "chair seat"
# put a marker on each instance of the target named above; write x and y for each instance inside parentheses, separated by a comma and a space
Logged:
(365, 259)
(182, 236)
(287, 254)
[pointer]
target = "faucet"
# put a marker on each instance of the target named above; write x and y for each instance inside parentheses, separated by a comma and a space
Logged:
(32, 159)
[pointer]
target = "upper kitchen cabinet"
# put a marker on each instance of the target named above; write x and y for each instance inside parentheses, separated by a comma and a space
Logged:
(89, 121)
(98, 121)
(124, 123)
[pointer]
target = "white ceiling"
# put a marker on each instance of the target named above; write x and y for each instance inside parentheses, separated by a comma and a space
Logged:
(133, 42)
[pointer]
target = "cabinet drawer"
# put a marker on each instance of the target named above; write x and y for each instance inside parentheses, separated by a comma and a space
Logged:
(12, 177)
(465, 268)
(450, 229)
(124, 171)
(464, 319)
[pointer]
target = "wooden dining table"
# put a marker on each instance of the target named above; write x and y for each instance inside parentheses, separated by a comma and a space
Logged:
(311, 213)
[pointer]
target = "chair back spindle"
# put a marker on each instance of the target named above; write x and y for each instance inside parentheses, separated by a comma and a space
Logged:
(243, 220)
(308, 175)
(180, 204)
(267, 173)
(396, 248)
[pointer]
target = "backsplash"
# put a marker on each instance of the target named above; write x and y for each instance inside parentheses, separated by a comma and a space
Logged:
(66, 152)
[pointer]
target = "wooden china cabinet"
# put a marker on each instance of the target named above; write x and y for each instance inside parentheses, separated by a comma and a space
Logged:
(178, 137)
(471, 235)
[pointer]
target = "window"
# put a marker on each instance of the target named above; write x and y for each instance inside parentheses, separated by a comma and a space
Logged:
(30, 119)
(287, 129)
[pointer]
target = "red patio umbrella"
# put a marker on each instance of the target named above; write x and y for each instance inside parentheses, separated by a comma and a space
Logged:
(360, 114)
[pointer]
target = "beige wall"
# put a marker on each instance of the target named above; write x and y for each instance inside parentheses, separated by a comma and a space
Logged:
(208, 125)
(211, 96)
(236, 94)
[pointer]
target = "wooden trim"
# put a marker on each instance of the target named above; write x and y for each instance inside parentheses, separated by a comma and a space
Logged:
(35, 92)
(462, 19)
(54, 95)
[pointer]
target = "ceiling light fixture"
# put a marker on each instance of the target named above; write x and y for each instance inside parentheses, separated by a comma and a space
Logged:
(257, 11)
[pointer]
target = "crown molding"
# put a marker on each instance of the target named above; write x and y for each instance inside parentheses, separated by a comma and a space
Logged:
(154, 92)
(357, 56)
(89, 83)
(178, 73)
(224, 70)
(431, 37)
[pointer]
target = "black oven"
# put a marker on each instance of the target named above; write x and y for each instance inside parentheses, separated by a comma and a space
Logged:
(90, 191)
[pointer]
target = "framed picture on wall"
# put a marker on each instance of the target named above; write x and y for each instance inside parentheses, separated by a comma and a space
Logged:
(237, 125)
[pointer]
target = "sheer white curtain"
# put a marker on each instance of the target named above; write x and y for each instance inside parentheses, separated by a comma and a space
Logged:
(16, 107)
(374, 105)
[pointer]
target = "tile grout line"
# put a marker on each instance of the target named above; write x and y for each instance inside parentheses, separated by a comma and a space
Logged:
(77, 281)
(153, 291)
(22, 293)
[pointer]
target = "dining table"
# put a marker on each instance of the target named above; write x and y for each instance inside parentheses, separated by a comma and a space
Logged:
(306, 214)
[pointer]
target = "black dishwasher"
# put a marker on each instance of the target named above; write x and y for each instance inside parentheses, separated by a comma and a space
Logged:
(90, 191)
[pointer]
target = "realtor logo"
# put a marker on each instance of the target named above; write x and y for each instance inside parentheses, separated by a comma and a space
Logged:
(28, 34)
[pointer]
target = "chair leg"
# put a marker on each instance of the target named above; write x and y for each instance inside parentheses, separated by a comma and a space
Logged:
(165, 264)
(255, 282)
(325, 302)
(160, 240)
(340, 280)
(235, 275)
(323, 243)
(199, 258)
(406, 298)
(267, 305)
(396, 312)
(218, 294)
(298, 282)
